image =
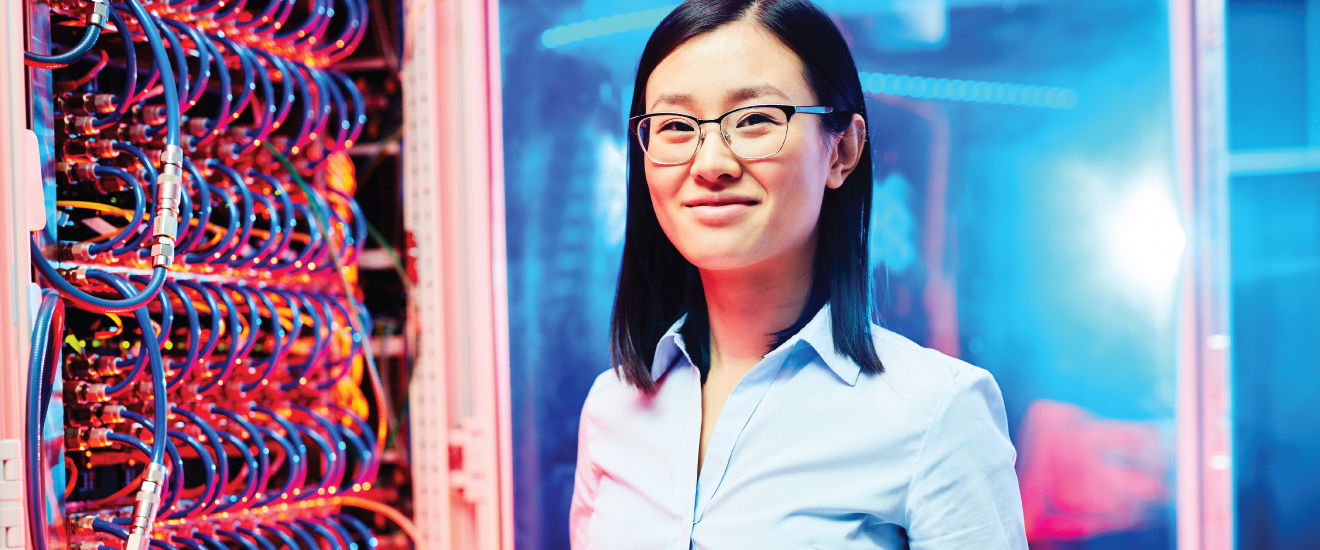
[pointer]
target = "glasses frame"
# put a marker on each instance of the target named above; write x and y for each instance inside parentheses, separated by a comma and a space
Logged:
(634, 127)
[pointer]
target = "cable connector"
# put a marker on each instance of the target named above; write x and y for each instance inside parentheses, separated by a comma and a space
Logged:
(82, 525)
(74, 274)
(81, 438)
(144, 510)
(84, 392)
(169, 192)
(100, 14)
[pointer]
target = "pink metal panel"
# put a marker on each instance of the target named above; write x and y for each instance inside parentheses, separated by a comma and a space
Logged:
(16, 275)
(1205, 490)
(453, 181)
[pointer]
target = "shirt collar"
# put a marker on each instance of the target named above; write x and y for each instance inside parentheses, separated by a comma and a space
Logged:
(818, 334)
(668, 349)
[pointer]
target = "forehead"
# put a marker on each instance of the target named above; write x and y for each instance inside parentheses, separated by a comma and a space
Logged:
(738, 63)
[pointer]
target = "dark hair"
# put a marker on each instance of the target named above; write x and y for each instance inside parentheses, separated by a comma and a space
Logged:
(657, 284)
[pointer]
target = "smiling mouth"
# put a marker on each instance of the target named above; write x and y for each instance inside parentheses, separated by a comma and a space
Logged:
(717, 204)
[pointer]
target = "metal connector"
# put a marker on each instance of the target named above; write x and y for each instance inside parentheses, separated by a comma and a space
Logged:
(74, 274)
(145, 508)
(169, 193)
(84, 125)
(81, 438)
(106, 366)
(82, 525)
(100, 14)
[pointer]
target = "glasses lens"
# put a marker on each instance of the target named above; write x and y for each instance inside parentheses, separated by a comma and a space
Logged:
(755, 132)
(668, 139)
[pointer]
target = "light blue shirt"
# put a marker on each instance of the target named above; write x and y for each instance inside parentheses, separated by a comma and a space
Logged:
(808, 453)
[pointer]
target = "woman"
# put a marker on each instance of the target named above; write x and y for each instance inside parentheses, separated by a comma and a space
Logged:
(754, 405)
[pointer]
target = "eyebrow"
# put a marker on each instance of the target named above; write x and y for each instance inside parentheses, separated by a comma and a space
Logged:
(734, 96)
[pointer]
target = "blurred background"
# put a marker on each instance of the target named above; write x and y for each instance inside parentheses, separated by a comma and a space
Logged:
(1072, 194)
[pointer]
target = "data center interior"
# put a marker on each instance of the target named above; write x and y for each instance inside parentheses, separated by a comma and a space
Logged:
(359, 257)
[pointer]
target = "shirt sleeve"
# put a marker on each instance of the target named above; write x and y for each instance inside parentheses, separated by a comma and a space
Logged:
(964, 493)
(585, 482)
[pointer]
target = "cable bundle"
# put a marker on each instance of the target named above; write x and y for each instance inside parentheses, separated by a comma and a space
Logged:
(214, 398)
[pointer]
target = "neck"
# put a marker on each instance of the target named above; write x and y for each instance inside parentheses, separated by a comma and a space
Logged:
(746, 306)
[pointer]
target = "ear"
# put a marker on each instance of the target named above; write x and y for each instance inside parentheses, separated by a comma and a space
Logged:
(847, 151)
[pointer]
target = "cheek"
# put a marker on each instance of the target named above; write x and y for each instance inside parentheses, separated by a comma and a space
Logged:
(797, 187)
(663, 186)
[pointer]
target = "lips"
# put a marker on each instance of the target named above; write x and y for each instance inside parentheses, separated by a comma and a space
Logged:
(721, 200)
(720, 211)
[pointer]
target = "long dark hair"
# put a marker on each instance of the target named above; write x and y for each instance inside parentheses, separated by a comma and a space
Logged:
(657, 284)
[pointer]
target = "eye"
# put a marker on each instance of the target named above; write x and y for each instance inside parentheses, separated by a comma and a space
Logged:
(676, 125)
(754, 118)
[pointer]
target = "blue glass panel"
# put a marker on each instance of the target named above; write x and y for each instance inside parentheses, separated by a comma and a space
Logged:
(1025, 220)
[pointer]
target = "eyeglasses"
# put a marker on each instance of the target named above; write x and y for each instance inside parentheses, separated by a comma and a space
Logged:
(752, 133)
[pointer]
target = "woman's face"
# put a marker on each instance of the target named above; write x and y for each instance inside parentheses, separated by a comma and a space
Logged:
(723, 212)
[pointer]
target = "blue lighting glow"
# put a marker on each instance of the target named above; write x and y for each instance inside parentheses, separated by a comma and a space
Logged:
(605, 26)
(969, 90)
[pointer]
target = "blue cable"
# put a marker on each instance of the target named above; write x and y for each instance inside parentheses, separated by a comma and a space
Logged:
(284, 537)
(319, 340)
(211, 542)
(330, 456)
(136, 443)
(208, 467)
(363, 531)
(254, 319)
(43, 361)
(240, 539)
(233, 328)
(162, 64)
(176, 480)
(166, 324)
(101, 526)
(143, 318)
(258, 253)
(339, 529)
(226, 93)
(130, 74)
(309, 542)
(221, 456)
(152, 176)
(290, 457)
(247, 214)
(337, 463)
(268, 248)
(220, 248)
(363, 454)
(203, 209)
(249, 75)
(194, 334)
(57, 61)
(139, 208)
(160, 402)
(263, 454)
(300, 457)
(359, 104)
(214, 337)
(250, 483)
(277, 330)
(86, 301)
(180, 61)
(198, 87)
(324, 532)
(261, 539)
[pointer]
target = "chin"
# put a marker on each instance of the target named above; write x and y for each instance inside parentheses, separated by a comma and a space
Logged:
(719, 253)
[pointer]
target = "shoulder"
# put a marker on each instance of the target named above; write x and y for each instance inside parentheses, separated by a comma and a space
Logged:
(611, 394)
(926, 378)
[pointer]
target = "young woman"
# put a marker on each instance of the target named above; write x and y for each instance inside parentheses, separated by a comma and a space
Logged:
(754, 405)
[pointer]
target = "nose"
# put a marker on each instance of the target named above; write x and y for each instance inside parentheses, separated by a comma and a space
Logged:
(715, 164)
